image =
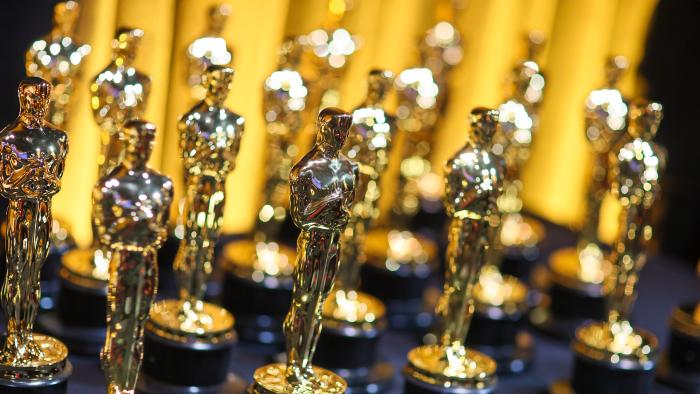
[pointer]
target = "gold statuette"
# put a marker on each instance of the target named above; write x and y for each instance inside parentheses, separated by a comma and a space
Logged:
(473, 182)
(518, 125)
(119, 93)
(131, 210)
(210, 49)
(322, 191)
(369, 145)
(284, 102)
(635, 171)
(210, 136)
(33, 158)
(605, 123)
(58, 58)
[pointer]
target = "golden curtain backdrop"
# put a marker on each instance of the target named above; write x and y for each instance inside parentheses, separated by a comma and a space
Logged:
(581, 34)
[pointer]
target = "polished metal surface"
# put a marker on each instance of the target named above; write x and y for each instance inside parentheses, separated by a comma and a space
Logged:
(119, 93)
(284, 103)
(209, 49)
(369, 145)
(322, 192)
(636, 168)
(33, 158)
(131, 207)
(210, 137)
(58, 58)
(517, 123)
(635, 176)
(605, 124)
(473, 181)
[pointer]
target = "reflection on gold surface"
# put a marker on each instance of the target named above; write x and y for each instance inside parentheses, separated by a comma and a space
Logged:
(567, 268)
(131, 207)
(634, 177)
(271, 379)
(322, 190)
(634, 174)
(58, 58)
(33, 158)
(284, 102)
(209, 49)
(172, 318)
(520, 231)
(615, 342)
(445, 365)
(210, 136)
(473, 181)
(392, 249)
(259, 260)
(353, 307)
(495, 289)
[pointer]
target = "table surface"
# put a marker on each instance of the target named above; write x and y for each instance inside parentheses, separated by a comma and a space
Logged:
(664, 283)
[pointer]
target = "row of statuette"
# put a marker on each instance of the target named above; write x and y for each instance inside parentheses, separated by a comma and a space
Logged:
(350, 273)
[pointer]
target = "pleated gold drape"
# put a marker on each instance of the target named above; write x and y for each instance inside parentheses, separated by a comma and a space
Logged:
(580, 35)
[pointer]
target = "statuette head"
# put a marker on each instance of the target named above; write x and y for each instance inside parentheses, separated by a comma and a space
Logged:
(333, 128)
(644, 119)
(483, 123)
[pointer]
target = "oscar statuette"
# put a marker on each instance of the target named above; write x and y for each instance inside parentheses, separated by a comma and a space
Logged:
(501, 301)
(613, 356)
(119, 93)
(520, 235)
(399, 260)
(188, 342)
(57, 57)
(679, 366)
(473, 182)
(33, 159)
(258, 269)
(131, 211)
(353, 321)
(572, 280)
(322, 191)
(209, 49)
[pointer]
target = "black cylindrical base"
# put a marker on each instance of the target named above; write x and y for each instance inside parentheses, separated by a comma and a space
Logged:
(519, 262)
(80, 340)
(232, 385)
(500, 335)
(414, 386)
(81, 306)
(564, 309)
(259, 307)
(58, 384)
(192, 364)
(347, 348)
(566, 302)
(680, 366)
(592, 376)
(352, 353)
(403, 293)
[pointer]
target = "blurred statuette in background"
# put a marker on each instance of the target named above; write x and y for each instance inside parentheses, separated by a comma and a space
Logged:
(119, 93)
(322, 187)
(613, 356)
(209, 49)
(258, 269)
(572, 282)
(34, 156)
(473, 182)
(680, 364)
(58, 58)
